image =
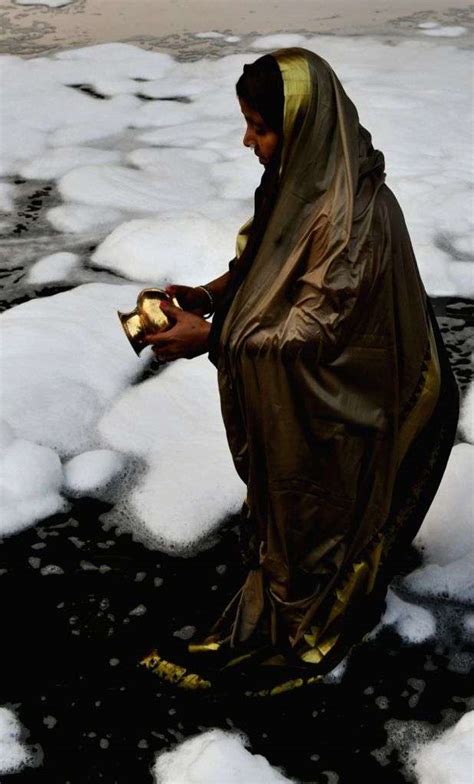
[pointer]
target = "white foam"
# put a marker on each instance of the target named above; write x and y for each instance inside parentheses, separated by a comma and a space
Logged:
(449, 758)
(7, 194)
(123, 189)
(187, 249)
(68, 347)
(172, 423)
(214, 757)
(7, 434)
(14, 755)
(446, 536)
(109, 120)
(18, 143)
(209, 34)
(52, 164)
(53, 268)
(278, 41)
(160, 113)
(126, 58)
(183, 135)
(428, 25)
(31, 477)
(55, 106)
(413, 623)
(234, 178)
(336, 675)
(446, 31)
(81, 219)
(90, 473)
(176, 172)
(466, 418)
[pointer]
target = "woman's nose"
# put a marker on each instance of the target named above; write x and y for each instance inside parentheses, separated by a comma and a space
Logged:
(248, 139)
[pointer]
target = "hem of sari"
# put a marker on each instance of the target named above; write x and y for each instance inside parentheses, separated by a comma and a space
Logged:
(354, 604)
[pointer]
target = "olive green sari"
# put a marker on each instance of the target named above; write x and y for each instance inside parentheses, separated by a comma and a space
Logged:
(339, 404)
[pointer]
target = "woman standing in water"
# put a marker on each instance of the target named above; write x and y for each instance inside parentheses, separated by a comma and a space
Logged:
(337, 397)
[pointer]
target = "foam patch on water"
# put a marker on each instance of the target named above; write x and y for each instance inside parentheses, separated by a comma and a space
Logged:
(66, 348)
(54, 163)
(445, 537)
(14, 755)
(209, 34)
(449, 758)
(214, 757)
(172, 424)
(66, 359)
(26, 501)
(445, 31)
(91, 473)
(53, 268)
(336, 675)
(428, 25)
(413, 623)
(82, 219)
(187, 249)
(121, 188)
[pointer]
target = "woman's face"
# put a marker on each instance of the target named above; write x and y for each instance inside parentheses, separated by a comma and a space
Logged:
(258, 135)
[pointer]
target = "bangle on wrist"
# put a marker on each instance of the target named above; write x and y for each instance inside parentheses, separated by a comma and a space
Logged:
(211, 301)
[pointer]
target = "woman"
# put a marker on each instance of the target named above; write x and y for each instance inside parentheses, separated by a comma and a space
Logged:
(337, 397)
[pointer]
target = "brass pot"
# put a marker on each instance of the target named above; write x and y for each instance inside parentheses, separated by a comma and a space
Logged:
(147, 318)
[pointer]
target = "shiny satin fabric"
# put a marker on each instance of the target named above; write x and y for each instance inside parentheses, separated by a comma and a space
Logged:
(327, 370)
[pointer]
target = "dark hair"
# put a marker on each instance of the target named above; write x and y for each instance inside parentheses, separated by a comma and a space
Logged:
(261, 86)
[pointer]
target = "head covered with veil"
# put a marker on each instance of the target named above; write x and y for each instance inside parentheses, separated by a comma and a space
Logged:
(324, 174)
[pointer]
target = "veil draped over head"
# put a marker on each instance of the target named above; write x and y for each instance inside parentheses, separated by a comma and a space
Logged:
(329, 175)
(328, 369)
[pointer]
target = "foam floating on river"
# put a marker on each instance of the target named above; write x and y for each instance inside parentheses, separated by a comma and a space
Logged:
(445, 538)
(14, 755)
(448, 759)
(215, 757)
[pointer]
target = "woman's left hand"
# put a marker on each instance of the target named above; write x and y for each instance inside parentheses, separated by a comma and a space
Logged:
(186, 338)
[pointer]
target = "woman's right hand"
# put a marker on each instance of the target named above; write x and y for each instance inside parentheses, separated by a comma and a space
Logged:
(194, 300)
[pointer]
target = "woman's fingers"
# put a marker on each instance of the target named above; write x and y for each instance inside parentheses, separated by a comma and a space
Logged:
(172, 290)
(171, 310)
(189, 298)
(187, 337)
(164, 353)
